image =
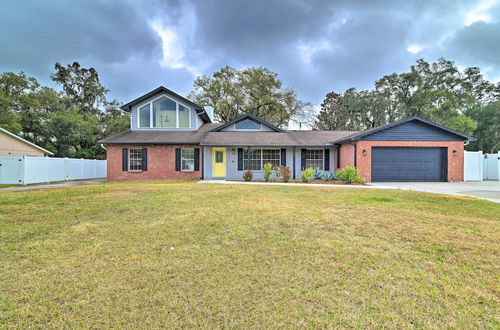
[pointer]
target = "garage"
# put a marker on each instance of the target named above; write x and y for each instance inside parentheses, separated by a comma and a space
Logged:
(409, 164)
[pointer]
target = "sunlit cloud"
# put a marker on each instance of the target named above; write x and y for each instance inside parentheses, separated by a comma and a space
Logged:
(479, 13)
(414, 49)
(172, 50)
(308, 51)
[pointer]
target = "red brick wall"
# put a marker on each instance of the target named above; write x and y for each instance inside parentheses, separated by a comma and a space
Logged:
(161, 164)
(346, 155)
(455, 163)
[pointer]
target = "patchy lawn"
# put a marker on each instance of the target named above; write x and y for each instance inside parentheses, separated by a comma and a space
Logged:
(181, 254)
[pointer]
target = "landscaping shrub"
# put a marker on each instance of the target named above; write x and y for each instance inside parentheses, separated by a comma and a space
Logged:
(307, 174)
(317, 174)
(284, 172)
(268, 170)
(328, 176)
(248, 175)
(359, 180)
(349, 175)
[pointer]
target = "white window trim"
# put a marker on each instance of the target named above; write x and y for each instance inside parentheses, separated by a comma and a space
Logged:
(130, 158)
(150, 103)
(323, 156)
(261, 157)
(194, 160)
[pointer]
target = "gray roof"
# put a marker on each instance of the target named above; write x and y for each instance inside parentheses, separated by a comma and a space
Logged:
(207, 137)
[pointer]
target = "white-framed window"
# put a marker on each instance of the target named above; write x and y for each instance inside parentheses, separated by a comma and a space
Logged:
(164, 112)
(314, 158)
(254, 159)
(144, 115)
(187, 159)
(135, 159)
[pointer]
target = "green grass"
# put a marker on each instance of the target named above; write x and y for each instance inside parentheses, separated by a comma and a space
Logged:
(181, 254)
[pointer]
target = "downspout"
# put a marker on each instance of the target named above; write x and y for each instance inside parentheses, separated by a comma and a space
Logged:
(102, 146)
(293, 164)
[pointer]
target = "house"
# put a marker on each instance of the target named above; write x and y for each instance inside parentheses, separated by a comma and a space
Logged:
(173, 138)
(13, 145)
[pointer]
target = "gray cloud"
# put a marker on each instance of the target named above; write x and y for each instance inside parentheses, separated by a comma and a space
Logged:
(314, 46)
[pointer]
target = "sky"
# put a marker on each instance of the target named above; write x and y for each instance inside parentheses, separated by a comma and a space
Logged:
(314, 46)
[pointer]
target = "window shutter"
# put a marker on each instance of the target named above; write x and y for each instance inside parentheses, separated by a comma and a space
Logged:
(283, 157)
(302, 159)
(124, 159)
(196, 159)
(144, 159)
(178, 159)
(240, 159)
(327, 160)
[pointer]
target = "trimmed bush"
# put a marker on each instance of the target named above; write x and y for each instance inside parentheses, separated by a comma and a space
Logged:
(307, 174)
(248, 175)
(284, 172)
(349, 175)
(268, 170)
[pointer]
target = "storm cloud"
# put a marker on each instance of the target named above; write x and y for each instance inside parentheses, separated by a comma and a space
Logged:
(314, 46)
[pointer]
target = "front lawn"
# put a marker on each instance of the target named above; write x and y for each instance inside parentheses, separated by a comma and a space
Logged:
(182, 254)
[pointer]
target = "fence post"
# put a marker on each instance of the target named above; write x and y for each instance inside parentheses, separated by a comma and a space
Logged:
(66, 169)
(23, 164)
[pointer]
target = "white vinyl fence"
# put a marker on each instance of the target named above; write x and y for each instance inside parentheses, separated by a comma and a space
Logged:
(479, 167)
(491, 166)
(27, 170)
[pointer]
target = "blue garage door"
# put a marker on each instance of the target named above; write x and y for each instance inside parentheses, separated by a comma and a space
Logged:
(395, 164)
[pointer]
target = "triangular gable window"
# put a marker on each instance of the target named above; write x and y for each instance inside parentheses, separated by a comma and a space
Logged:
(247, 124)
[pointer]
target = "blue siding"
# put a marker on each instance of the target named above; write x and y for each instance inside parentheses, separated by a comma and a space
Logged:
(412, 131)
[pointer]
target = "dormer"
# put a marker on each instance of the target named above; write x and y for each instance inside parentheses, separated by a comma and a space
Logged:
(162, 109)
(248, 123)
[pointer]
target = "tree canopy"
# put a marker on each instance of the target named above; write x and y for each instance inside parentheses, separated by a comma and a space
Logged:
(439, 92)
(257, 91)
(68, 122)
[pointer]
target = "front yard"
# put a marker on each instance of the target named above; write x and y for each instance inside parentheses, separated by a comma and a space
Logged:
(181, 254)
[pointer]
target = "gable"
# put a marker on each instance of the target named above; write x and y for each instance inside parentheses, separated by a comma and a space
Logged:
(413, 130)
(247, 122)
(247, 125)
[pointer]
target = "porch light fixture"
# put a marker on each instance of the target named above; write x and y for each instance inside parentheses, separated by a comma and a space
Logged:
(233, 151)
(455, 153)
(364, 152)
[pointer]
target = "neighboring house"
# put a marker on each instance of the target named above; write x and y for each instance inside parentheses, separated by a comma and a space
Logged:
(174, 138)
(13, 145)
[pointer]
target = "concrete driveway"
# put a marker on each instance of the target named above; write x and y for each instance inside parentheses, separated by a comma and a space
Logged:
(489, 190)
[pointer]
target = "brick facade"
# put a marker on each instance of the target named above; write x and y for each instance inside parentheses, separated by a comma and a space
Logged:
(346, 155)
(161, 164)
(363, 163)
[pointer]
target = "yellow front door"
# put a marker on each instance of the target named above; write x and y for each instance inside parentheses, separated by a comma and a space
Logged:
(219, 162)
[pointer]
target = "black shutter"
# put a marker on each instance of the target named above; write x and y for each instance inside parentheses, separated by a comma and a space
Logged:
(144, 159)
(302, 159)
(327, 160)
(283, 157)
(240, 159)
(196, 159)
(124, 159)
(177, 159)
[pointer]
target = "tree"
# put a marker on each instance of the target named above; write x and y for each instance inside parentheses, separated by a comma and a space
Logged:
(82, 86)
(488, 128)
(257, 91)
(438, 91)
